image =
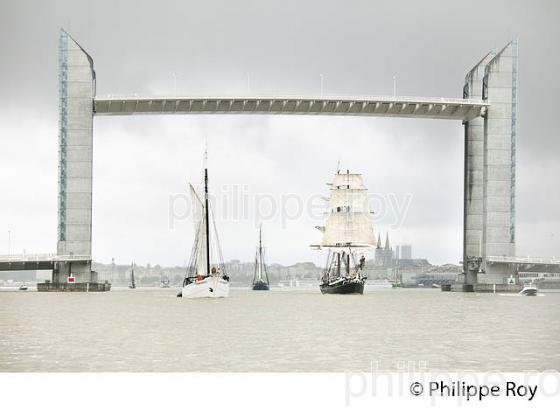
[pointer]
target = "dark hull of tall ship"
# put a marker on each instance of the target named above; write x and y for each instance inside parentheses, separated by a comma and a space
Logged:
(347, 287)
(260, 286)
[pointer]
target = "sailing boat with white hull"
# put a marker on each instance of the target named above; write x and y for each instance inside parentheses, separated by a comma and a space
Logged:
(260, 277)
(347, 234)
(204, 279)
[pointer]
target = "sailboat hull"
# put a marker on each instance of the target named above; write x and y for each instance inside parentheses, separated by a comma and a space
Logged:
(346, 287)
(211, 287)
(261, 286)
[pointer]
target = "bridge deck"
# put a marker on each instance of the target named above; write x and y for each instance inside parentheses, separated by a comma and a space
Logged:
(405, 107)
(37, 261)
(523, 260)
(526, 264)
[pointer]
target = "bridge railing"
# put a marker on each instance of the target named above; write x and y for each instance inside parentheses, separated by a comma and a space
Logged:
(383, 98)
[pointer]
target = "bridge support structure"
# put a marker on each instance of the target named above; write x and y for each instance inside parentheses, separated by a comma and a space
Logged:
(488, 112)
(490, 150)
(75, 159)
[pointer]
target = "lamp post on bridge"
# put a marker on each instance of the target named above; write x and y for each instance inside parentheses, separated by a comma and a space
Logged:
(174, 83)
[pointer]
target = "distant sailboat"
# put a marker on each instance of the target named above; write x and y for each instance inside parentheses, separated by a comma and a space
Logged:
(132, 284)
(347, 235)
(260, 276)
(202, 279)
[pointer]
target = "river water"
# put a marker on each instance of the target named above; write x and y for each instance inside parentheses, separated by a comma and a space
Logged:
(279, 330)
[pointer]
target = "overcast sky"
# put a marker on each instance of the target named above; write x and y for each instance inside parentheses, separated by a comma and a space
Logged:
(272, 48)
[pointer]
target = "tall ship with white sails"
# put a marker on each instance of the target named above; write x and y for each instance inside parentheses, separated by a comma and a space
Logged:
(205, 279)
(347, 235)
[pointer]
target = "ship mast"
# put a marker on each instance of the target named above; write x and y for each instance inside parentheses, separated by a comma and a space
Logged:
(133, 284)
(260, 265)
(207, 224)
(260, 253)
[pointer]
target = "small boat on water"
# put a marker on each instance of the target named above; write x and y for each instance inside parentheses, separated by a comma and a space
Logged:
(379, 284)
(529, 290)
(347, 234)
(132, 284)
(288, 283)
(23, 287)
(164, 282)
(204, 279)
(260, 276)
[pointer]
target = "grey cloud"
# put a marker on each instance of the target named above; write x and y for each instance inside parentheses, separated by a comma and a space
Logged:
(210, 47)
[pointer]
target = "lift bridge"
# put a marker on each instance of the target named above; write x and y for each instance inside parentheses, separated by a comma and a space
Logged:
(488, 112)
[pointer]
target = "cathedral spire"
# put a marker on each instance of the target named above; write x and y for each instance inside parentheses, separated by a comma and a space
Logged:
(379, 241)
(387, 241)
